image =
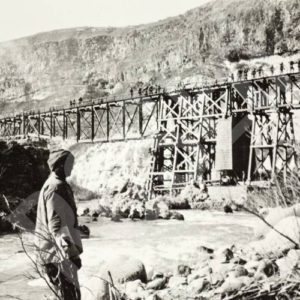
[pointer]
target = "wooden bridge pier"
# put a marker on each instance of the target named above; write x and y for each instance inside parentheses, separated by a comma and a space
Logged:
(186, 146)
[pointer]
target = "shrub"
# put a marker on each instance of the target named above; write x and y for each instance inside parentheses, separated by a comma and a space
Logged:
(236, 54)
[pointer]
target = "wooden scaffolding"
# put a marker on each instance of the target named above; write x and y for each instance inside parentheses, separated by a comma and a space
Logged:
(184, 125)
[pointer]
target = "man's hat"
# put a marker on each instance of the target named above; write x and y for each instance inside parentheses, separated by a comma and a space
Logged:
(58, 158)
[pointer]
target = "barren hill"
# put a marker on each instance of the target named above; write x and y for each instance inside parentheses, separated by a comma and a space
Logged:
(53, 67)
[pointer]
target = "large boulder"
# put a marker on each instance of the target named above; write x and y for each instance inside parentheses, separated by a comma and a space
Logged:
(121, 205)
(267, 267)
(137, 210)
(198, 285)
(95, 207)
(120, 270)
(175, 215)
(233, 284)
(157, 283)
(194, 195)
(224, 255)
(123, 269)
(184, 270)
(238, 271)
(275, 242)
(177, 281)
(288, 264)
(131, 190)
(130, 203)
(274, 216)
(133, 289)
(179, 203)
(160, 207)
(289, 226)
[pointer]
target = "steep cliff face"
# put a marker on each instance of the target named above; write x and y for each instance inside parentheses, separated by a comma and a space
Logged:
(57, 66)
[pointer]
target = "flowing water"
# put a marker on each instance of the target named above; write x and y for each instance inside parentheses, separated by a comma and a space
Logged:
(160, 244)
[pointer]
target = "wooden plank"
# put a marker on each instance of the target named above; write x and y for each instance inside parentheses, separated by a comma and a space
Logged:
(224, 159)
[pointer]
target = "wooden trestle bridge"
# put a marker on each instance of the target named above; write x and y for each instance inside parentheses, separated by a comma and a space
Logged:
(243, 126)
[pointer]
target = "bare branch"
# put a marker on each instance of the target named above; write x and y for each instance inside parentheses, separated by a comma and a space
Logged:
(270, 225)
(34, 263)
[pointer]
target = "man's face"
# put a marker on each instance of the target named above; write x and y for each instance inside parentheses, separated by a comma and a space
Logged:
(68, 167)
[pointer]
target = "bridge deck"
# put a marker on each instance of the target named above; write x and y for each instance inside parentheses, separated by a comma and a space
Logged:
(184, 124)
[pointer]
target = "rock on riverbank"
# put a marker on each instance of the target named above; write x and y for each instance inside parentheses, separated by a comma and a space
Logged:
(229, 272)
(127, 205)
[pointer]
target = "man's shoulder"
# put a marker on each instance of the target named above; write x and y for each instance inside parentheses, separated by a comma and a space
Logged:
(55, 180)
(54, 184)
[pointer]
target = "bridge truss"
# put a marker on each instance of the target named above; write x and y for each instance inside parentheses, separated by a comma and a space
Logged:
(184, 126)
(262, 110)
(94, 121)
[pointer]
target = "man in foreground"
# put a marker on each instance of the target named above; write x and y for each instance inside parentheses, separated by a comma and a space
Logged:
(58, 240)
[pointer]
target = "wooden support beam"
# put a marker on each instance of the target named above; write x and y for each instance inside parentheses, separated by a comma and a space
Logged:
(107, 121)
(51, 125)
(141, 121)
(42, 126)
(14, 127)
(39, 124)
(65, 136)
(23, 125)
(275, 148)
(124, 121)
(78, 123)
(92, 123)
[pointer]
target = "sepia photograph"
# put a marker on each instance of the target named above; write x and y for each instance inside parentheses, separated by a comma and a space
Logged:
(150, 150)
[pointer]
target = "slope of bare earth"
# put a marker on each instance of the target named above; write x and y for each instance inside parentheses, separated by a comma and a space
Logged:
(53, 67)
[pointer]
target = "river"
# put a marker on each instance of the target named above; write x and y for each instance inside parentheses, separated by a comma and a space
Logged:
(160, 244)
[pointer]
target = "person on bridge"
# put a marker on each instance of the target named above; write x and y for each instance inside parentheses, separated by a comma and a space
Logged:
(146, 91)
(140, 92)
(281, 68)
(158, 89)
(58, 242)
(240, 73)
(151, 90)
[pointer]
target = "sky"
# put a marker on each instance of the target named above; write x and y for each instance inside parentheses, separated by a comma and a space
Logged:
(20, 18)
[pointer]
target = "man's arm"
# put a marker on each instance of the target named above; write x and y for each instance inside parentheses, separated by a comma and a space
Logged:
(55, 211)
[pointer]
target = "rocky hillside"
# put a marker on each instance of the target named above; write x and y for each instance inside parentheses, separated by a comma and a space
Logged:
(57, 66)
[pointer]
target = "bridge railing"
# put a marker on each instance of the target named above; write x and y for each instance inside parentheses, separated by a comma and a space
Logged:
(189, 85)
